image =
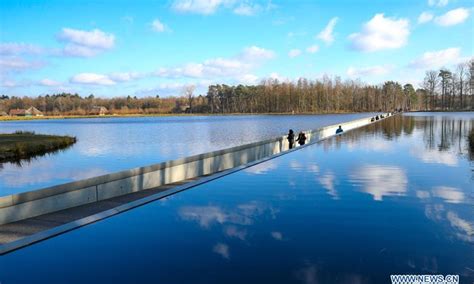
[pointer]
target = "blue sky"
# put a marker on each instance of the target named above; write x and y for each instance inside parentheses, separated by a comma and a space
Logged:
(119, 48)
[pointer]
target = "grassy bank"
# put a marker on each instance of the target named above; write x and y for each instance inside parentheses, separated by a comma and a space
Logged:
(26, 145)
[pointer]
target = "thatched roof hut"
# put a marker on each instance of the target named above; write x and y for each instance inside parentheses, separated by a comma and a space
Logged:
(99, 110)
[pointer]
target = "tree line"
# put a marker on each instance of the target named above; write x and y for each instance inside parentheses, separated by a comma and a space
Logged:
(440, 90)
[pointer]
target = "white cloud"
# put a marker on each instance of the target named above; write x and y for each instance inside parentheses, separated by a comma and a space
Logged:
(377, 70)
(453, 17)
(326, 34)
(247, 79)
(80, 51)
(13, 48)
(294, 53)
(166, 89)
(439, 3)
(207, 216)
(92, 79)
(208, 7)
(439, 58)
(14, 63)
(125, 76)
(381, 33)
(247, 9)
(158, 26)
(277, 236)
(233, 231)
(222, 250)
(312, 49)
(256, 53)
(381, 180)
(327, 181)
(85, 43)
(49, 83)
(204, 215)
(465, 228)
(262, 168)
(15, 84)
(425, 17)
(276, 76)
(243, 63)
(205, 7)
(93, 39)
(449, 194)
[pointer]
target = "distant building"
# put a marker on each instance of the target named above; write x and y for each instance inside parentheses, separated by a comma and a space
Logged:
(99, 110)
(17, 112)
(32, 111)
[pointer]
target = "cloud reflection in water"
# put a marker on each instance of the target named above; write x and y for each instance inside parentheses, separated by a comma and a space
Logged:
(381, 180)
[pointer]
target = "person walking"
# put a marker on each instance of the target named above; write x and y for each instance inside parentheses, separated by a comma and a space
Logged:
(301, 138)
(291, 138)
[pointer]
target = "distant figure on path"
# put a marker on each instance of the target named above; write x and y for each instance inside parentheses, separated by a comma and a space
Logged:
(291, 138)
(339, 130)
(301, 138)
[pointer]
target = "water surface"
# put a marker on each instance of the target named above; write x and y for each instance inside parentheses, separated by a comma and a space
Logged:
(395, 197)
(107, 145)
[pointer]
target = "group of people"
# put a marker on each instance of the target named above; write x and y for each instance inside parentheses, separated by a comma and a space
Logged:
(301, 139)
(291, 138)
(375, 118)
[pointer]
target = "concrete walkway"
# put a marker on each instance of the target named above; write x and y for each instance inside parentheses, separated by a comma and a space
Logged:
(18, 230)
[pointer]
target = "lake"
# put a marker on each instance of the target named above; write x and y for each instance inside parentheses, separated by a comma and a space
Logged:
(107, 145)
(395, 197)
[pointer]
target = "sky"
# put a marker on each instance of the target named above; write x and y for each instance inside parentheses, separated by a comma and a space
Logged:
(144, 48)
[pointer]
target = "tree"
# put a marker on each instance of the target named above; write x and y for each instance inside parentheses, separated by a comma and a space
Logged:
(409, 95)
(461, 72)
(446, 76)
(188, 92)
(430, 84)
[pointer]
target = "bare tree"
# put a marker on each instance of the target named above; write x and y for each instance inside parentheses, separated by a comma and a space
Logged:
(461, 72)
(188, 92)
(430, 83)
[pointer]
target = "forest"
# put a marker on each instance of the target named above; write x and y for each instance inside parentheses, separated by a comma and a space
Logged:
(441, 90)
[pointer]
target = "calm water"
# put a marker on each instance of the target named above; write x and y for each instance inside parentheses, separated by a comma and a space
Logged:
(392, 198)
(108, 145)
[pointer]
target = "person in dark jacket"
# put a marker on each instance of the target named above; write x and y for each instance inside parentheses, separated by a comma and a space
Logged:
(339, 130)
(291, 138)
(301, 138)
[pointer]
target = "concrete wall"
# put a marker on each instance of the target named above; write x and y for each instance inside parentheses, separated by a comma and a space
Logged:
(30, 204)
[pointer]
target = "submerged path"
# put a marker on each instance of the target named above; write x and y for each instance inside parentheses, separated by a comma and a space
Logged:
(123, 194)
(19, 230)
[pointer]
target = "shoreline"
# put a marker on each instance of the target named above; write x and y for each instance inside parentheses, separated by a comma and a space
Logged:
(54, 117)
(57, 117)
